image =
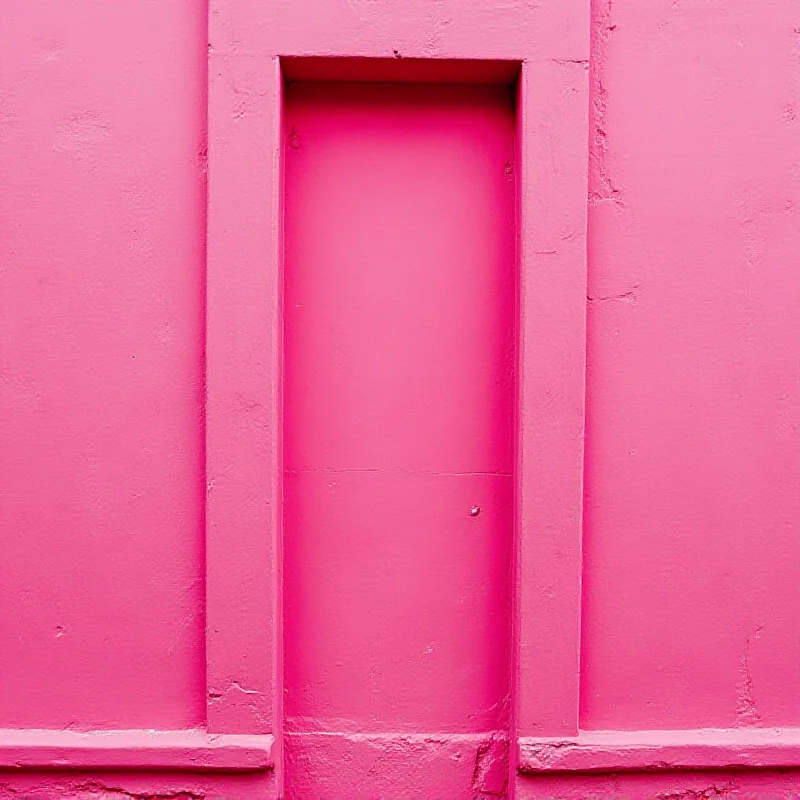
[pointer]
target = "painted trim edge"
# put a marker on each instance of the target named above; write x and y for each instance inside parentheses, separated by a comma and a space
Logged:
(662, 751)
(135, 750)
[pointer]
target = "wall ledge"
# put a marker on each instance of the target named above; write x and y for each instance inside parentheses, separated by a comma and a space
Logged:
(662, 751)
(125, 750)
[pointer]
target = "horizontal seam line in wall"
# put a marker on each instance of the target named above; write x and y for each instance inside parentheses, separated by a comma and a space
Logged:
(394, 472)
(390, 735)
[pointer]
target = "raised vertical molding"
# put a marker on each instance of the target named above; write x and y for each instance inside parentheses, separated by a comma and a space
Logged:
(553, 129)
(243, 377)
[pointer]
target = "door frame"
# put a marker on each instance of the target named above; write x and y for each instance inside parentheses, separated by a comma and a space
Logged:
(253, 48)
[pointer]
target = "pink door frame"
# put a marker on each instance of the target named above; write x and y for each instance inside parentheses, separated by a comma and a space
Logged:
(253, 48)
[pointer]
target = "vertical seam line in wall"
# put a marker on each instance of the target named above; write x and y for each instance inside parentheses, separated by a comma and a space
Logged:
(593, 62)
(204, 353)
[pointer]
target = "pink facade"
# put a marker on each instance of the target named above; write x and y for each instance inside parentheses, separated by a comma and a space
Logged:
(399, 399)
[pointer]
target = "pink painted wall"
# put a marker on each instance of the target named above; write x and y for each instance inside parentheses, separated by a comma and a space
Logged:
(690, 602)
(102, 128)
(691, 598)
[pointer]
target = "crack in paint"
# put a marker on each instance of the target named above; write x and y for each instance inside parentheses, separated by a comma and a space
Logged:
(584, 62)
(251, 703)
(622, 297)
(696, 794)
(183, 794)
(239, 688)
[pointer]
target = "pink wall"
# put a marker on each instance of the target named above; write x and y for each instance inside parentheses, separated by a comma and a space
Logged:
(102, 125)
(691, 598)
(121, 607)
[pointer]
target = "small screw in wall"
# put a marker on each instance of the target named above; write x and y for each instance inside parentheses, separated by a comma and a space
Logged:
(474, 511)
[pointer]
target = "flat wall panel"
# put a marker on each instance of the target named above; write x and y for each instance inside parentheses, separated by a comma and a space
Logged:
(102, 220)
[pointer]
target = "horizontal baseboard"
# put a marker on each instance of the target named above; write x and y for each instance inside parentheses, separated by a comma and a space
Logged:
(662, 751)
(186, 750)
(590, 751)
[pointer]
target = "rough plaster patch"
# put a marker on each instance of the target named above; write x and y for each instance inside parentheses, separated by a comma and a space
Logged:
(490, 776)
(746, 711)
(81, 133)
(94, 790)
(602, 188)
